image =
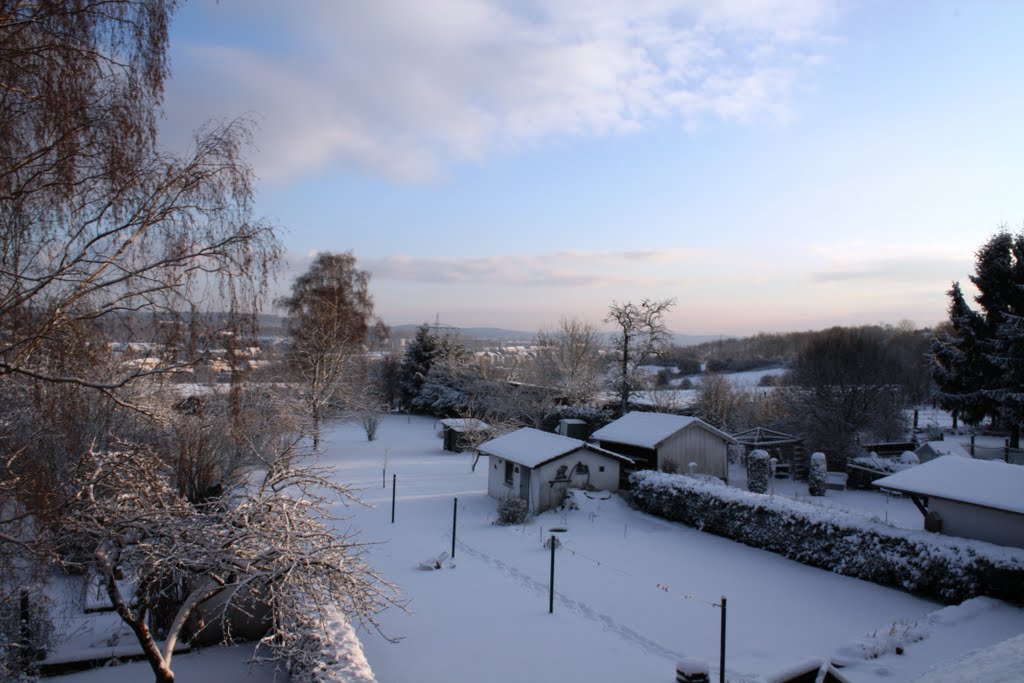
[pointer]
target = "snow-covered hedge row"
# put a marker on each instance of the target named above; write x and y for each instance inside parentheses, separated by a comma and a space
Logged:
(942, 567)
(330, 652)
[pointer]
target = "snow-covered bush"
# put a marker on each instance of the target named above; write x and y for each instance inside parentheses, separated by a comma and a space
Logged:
(817, 475)
(909, 458)
(945, 568)
(758, 467)
(328, 651)
(512, 510)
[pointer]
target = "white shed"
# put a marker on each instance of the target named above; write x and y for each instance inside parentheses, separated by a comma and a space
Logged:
(539, 467)
(965, 497)
(661, 441)
(930, 450)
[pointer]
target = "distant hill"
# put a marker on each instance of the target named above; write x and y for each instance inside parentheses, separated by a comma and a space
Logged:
(501, 334)
(493, 333)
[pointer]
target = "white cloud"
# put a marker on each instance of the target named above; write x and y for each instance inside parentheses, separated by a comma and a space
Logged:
(403, 87)
(561, 269)
(909, 266)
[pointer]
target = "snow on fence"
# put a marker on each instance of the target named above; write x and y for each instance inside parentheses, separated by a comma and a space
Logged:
(948, 569)
(330, 651)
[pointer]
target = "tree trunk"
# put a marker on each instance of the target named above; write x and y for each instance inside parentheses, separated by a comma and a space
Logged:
(316, 429)
(1015, 436)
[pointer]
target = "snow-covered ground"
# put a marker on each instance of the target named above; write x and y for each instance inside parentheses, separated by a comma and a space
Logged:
(892, 509)
(634, 593)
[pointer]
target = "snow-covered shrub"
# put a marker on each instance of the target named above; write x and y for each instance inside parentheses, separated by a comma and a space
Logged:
(328, 651)
(945, 568)
(909, 458)
(512, 510)
(758, 466)
(817, 475)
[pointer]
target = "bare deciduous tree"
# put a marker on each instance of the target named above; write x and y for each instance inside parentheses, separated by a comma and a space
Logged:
(266, 543)
(640, 333)
(569, 360)
(329, 312)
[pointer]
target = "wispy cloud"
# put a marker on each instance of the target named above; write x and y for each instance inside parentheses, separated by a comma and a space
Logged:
(561, 269)
(403, 87)
(918, 266)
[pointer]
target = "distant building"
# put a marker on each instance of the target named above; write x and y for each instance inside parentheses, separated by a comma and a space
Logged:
(461, 433)
(965, 497)
(540, 467)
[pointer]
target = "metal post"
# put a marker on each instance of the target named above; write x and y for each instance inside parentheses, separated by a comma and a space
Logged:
(455, 519)
(394, 486)
(551, 588)
(721, 658)
(26, 631)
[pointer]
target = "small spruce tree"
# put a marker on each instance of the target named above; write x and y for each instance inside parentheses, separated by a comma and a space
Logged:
(817, 477)
(758, 466)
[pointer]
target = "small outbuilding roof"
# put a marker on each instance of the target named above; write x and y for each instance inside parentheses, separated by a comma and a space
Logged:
(465, 424)
(532, 447)
(648, 430)
(988, 483)
(934, 449)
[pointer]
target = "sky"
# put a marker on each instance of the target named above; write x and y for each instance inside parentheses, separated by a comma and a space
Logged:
(773, 165)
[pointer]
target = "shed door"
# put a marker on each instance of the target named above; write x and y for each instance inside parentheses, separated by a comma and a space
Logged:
(524, 483)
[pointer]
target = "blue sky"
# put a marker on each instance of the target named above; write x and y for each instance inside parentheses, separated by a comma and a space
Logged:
(772, 165)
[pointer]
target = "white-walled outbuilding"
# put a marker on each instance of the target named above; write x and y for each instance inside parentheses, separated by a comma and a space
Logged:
(539, 467)
(982, 499)
(663, 441)
(930, 450)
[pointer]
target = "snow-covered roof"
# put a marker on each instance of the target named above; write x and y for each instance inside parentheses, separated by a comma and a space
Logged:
(532, 447)
(936, 448)
(988, 483)
(465, 424)
(647, 430)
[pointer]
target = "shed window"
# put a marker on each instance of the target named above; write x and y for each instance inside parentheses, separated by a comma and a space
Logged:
(508, 472)
(600, 468)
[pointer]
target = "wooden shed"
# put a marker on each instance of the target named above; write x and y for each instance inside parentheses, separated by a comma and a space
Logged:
(660, 441)
(461, 433)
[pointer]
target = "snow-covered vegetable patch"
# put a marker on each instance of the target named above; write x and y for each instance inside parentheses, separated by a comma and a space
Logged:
(942, 567)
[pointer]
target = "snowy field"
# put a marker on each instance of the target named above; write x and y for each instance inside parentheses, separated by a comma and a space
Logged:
(634, 593)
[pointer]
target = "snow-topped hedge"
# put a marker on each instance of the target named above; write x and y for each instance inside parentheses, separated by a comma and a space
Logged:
(329, 652)
(942, 567)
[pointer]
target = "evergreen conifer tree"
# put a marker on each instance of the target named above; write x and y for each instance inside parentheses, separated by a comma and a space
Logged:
(979, 368)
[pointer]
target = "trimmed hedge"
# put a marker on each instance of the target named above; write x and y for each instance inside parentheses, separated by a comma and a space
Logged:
(941, 567)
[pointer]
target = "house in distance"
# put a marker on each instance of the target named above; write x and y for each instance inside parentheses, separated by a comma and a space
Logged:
(540, 467)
